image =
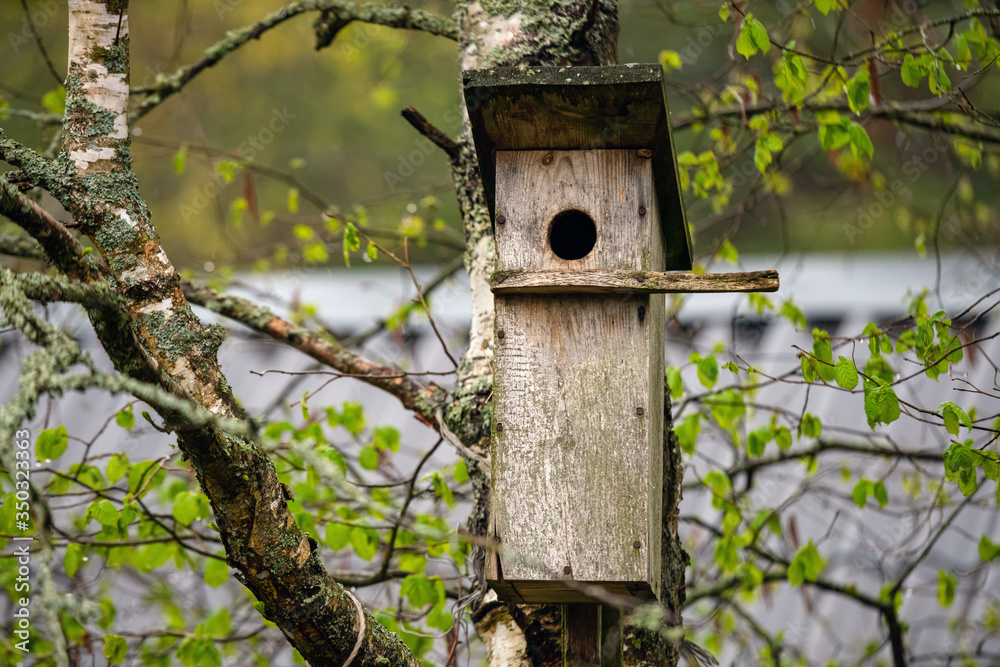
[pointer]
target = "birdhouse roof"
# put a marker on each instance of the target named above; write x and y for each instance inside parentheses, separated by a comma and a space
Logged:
(580, 108)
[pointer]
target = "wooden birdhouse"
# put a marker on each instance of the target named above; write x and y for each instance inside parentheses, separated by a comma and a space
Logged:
(581, 180)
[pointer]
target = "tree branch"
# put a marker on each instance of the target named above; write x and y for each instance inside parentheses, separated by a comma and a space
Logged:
(345, 13)
(413, 395)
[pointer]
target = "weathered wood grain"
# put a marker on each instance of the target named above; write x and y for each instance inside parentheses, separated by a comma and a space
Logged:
(577, 445)
(613, 187)
(597, 281)
(579, 108)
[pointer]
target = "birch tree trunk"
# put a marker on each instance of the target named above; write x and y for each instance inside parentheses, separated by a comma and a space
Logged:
(168, 344)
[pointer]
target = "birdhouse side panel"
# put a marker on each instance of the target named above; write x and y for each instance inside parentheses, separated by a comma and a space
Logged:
(577, 445)
(614, 188)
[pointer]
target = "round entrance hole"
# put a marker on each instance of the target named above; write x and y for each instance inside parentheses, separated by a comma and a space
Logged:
(572, 234)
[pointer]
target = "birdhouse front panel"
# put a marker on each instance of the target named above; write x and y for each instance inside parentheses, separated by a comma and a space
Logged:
(577, 209)
(577, 446)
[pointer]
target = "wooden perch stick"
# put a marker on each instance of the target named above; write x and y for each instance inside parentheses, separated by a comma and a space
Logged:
(596, 281)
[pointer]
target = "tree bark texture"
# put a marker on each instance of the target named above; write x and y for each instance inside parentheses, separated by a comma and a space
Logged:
(265, 547)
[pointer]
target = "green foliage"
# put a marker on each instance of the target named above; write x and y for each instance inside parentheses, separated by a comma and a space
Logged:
(947, 583)
(866, 488)
(806, 565)
(125, 418)
(51, 443)
(753, 37)
(115, 649)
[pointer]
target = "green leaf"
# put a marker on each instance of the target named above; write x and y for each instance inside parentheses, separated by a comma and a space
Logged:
(315, 253)
(878, 490)
(461, 472)
(708, 371)
(365, 542)
(352, 242)
(687, 431)
(189, 506)
(670, 60)
(73, 558)
(293, 200)
(724, 12)
(808, 365)
(731, 367)
(727, 406)
(881, 404)
(675, 382)
(115, 649)
(352, 417)
(792, 313)
(806, 565)
(832, 137)
(757, 440)
(419, 590)
(987, 550)
(858, 92)
(368, 457)
(960, 464)
(386, 437)
(304, 232)
(860, 493)
(824, 355)
(846, 373)
(51, 443)
(938, 81)
(727, 251)
(861, 143)
(103, 511)
(118, 466)
(947, 583)
(441, 619)
(412, 562)
(337, 536)
(219, 623)
(442, 490)
(783, 437)
(912, 72)
(216, 572)
(811, 426)
(125, 418)
(371, 251)
(953, 416)
(753, 37)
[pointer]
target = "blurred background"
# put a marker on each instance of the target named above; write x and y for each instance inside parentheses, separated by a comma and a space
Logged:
(240, 167)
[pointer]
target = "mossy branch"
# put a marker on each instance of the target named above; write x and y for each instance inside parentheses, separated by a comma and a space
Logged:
(413, 395)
